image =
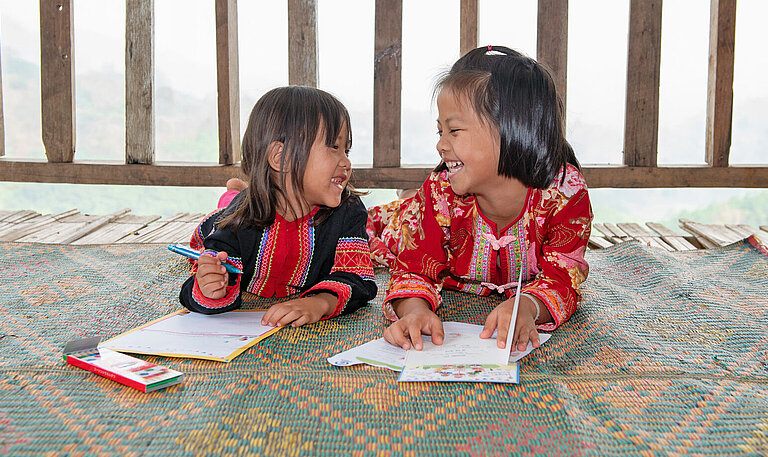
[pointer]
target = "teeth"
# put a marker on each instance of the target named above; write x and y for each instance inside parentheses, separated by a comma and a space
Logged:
(453, 164)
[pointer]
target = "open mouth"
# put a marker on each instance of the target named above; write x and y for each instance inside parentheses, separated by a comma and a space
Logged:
(338, 181)
(454, 166)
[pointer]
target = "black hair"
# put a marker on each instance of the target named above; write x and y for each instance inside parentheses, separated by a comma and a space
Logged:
(293, 116)
(517, 96)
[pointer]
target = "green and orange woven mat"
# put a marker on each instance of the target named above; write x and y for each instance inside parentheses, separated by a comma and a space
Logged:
(667, 356)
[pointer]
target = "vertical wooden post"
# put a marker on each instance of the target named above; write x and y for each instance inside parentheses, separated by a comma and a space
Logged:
(387, 82)
(228, 77)
(2, 119)
(552, 41)
(641, 123)
(140, 81)
(468, 26)
(57, 74)
(302, 42)
(722, 37)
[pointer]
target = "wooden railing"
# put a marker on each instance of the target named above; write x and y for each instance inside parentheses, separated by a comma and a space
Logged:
(639, 169)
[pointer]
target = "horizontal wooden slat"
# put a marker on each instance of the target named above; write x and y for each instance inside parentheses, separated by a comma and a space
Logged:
(215, 175)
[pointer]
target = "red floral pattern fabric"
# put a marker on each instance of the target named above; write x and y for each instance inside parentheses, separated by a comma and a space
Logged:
(438, 239)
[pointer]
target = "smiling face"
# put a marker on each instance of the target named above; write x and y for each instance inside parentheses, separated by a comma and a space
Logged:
(468, 146)
(328, 171)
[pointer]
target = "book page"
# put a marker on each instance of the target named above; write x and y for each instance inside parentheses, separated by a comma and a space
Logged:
(185, 334)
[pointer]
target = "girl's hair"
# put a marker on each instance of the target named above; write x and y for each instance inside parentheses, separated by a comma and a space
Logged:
(293, 116)
(516, 95)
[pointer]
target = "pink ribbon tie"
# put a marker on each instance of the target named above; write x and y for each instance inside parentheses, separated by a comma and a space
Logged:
(498, 243)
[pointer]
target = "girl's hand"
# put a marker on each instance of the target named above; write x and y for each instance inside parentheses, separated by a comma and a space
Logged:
(211, 275)
(301, 311)
(416, 318)
(525, 327)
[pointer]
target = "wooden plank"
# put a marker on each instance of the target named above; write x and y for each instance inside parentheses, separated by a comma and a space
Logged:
(634, 230)
(552, 42)
(468, 26)
(91, 227)
(601, 228)
(302, 43)
(57, 79)
(228, 81)
(212, 174)
(599, 242)
(671, 238)
(742, 229)
(139, 81)
(701, 240)
(613, 228)
(716, 235)
(20, 216)
(641, 124)
(151, 230)
(53, 232)
(722, 36)
(387, 83)
(13, 232)
(764, 228)
(109, 234)
(661, 229)
(2, 120)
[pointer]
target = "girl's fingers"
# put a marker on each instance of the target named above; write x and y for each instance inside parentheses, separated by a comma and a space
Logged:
(436, 330)
(303, 319)
(415, 333)
(535, 338)
(490, 325)
(289, 317)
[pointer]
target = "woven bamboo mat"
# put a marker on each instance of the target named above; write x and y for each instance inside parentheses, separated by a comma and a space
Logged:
(668, 355)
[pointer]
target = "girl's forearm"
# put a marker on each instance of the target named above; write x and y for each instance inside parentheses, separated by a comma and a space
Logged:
(404, 306)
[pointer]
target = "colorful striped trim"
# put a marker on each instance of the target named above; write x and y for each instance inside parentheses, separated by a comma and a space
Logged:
(353, 255)
(341, 290)
(550, 299)
(205, 302)
(411, 286)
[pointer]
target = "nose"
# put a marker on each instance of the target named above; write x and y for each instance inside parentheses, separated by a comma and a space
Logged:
(442, 145)
(346, 163)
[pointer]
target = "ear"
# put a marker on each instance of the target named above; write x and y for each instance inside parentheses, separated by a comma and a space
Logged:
(275, 155)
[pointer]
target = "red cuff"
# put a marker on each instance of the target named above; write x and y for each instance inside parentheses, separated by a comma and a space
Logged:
(341, 290)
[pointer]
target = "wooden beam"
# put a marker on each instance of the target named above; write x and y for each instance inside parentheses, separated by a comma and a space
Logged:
(212, 175)
(641, 123)
(468, 26)
(57, 79)
(140, 81)
(228, 77)
(552, 41)
(387, 82)
(302, 42)
(722, 36)
(2, 119)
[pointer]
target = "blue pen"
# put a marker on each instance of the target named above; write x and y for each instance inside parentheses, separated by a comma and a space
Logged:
(195, 255)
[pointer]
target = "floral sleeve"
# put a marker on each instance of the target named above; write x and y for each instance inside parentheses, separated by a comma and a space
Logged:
(565, 219)
(422, 232)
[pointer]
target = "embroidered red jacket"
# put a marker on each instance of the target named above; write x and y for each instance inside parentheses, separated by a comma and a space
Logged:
(286, 258)
(438, 239)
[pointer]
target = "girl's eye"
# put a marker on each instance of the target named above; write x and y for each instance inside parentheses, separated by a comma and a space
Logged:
(346, 152)
(454, 131)
(439, 133)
